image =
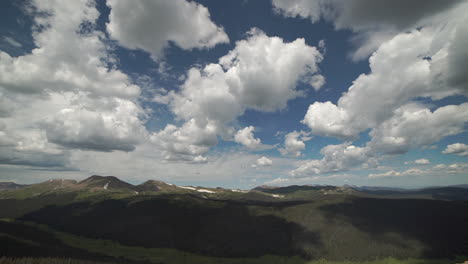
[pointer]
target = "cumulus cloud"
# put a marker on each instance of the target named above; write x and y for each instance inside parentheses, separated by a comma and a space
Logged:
(336, 158)
(103, 124)
(186, 143)
(411, 126)
(419, 162)
(246, 137)
(408, 64)
(422, 162)
(264, 162)
(67, 93)
(261, 73)
(326, 119)
(152, 25)
(68, 57)
(375, 21)
(294, 143)
(459, 149)
(414, 125)
(397, 76)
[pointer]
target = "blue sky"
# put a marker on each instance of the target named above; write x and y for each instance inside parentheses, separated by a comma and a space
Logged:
(235, 93)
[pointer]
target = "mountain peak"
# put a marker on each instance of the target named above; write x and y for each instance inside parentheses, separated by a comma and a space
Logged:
(105, 182)
(155, 186)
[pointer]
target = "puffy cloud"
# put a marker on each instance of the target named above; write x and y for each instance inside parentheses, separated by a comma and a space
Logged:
(407, 65)
(336, 158)
(245, 137)
(419, 162)
(459, 149)
(326, 119)
(375, 21)
(103, 124)
(68, 57)
(413, 125)
(152, 25)
(400, 72)
(67, 93)
(264, 162)
(294, 143)
(205, 95)
(187, 143)
(261, 73)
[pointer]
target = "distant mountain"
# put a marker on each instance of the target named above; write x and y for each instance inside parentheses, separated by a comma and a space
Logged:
(4, 186)
(97, 182)
(156, 186)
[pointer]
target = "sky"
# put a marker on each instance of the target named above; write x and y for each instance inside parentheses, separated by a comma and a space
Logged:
(235, 94)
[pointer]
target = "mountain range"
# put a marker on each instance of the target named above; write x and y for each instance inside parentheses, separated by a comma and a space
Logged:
(105, 219)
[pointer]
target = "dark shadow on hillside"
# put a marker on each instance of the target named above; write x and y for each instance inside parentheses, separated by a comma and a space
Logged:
(437, 193)
(441, 225)
(185, 222)
(19, 240)
(14, 208)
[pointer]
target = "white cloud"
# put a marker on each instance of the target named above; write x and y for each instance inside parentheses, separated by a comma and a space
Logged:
(245, 137)
(294, 143)
(152, 25)
(392, 173)
(260, 73)
(67, 93)
(422, 162)
(65, 58)
(419, 162)
(455, 168)
(326, 119)
(413, 126)
(336, 158)
(102, 124)
(317, 81)
(187, 142)
(264, 162)
(459, 149)
(397, 76)
(406, 66)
